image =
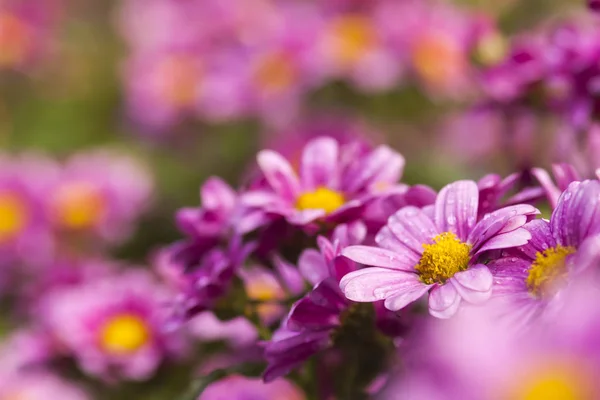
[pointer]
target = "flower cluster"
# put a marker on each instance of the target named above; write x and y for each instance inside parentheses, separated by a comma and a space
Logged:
(219, 60)
(334, 259)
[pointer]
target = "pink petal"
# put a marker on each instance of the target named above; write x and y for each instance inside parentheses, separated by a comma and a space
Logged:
(400, 301)
(443, 301)
(474, 285)
(312, 266)
(373, 284)
(456, 208)
(216, 194)
(279, 173)
(412, 228)
(378, 257)
(319, 163)
(518, 237)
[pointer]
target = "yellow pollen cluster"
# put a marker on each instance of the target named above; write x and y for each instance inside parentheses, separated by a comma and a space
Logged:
(554, 383)
(352, 36)
(124, 334)
(13, 216)
(443, 258)
(549, 267)
(321, 199)
(78, 205)
(275, 72)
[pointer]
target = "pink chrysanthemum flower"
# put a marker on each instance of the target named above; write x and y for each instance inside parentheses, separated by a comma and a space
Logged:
(436, 251)
(115, 327)
(332, 183)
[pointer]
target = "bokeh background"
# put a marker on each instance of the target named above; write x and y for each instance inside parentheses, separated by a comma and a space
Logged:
(194, 88)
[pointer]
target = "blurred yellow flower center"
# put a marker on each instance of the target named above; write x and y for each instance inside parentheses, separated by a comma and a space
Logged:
(13, 216)
(321, 199)
(443, 258)
(275, 72)
(437, 58)
(179, 77)
(553, 383)
(548, 268)
(491, 49)
(124, 334)
(352, 36)
(15, 40)
(79, 205)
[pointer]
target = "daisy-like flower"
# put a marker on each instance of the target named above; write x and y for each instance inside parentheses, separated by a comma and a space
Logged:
(114, 327)
(436, 251)
(530, 276)
(333, 182)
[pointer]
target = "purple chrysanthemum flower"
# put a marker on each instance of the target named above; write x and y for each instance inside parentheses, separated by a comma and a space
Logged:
(333, 183)
(437, 251)
(528, 277)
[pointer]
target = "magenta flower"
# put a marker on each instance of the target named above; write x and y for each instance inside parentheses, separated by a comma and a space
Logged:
(100, 193)
(114, 327)
(435, 250)
(242, 388)
(529, 277)
(333, 183)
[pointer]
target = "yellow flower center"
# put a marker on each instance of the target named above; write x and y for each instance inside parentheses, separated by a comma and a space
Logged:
(275, 72)
(443, 258)
(15, 40)
(548, 268)
(352, 36)
(13, 216)
(321, 199)
(178, 79)
(554, 383)
(491, 49)
(78, 205)
(437, 59)
(124, 334)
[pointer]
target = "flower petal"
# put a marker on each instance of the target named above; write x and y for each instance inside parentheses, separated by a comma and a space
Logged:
(373, 284)
(443, 301)
(377, 257)
(500, 221)
(577, 214)
(456, 208)
(475, 284)
(381, 165)
(507, 240)
(319, 163)
(412, 228)
(400, 301)
(279, 173)
(312, 266)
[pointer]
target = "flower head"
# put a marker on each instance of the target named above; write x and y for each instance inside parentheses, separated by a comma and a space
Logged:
(114, 327)
(528, 277)
(333, 182)
(437, 251)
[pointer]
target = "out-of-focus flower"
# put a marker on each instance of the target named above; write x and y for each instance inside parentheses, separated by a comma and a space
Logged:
(436, 250)
(331, 184)
(555, 359)
(201, 273)
(24, 233)
(114, 327)
(263, 286)
(238, 332)
(24, 350)
(530, 276)
(25, 32)
(99, 193)
(39, 386)
(241, 388)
